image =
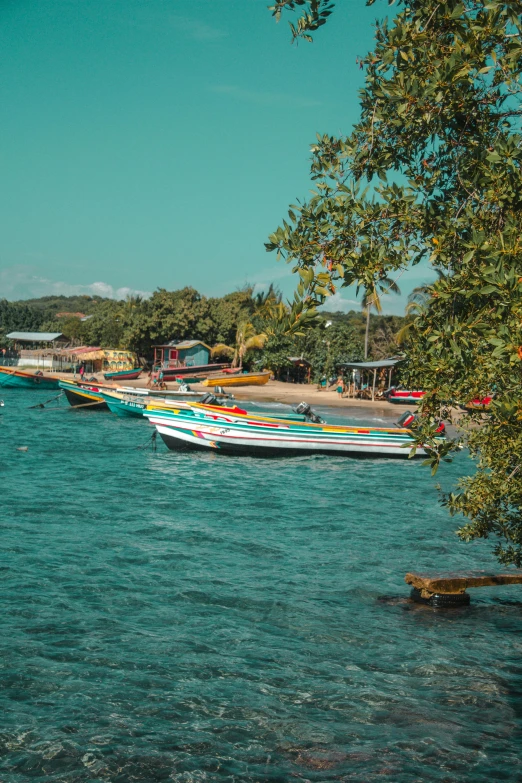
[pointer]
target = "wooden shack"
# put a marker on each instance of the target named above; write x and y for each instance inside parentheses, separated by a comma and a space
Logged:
(188, 353)
(299, 371)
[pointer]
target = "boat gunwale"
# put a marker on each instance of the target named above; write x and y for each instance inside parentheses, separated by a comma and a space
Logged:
(311, 424)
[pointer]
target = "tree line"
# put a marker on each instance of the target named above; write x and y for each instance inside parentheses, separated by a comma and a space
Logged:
(252, 329)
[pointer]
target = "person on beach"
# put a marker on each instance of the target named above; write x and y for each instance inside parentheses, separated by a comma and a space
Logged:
(82, 371)
(340, 386)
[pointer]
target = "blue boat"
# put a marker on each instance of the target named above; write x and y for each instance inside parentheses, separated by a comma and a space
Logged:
(12, 377)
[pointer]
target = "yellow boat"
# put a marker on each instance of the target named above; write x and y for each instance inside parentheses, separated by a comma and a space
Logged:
(242, 379)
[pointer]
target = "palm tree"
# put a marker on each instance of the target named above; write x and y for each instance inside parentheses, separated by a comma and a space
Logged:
(129, 305)
(264, 299)
(372, 298)
(276, 319)
(288, 320)
(246, 339)
(417, 301)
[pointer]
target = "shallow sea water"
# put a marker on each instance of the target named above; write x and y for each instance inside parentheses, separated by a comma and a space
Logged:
(191, 617)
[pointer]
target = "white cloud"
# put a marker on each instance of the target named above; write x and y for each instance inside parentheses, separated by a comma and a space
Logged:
(24, 282)
(338, 303)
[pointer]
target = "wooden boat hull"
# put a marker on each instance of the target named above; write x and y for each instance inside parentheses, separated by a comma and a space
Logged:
(209, 428)
(191, 379)
(12, 378)
(87, 396)
(405, 397)
(172, 373)
(165, 394)
(482, 404)
(123, 375)
(246, 379)
(202, 439)
(128, 403)
(125, 408)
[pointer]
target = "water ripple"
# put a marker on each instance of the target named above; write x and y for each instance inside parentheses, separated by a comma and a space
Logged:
(190, 618)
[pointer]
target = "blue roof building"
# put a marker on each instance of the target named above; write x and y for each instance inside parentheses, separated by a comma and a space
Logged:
(188, 353)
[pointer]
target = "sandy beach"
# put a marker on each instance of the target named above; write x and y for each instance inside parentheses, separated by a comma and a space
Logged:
(289, 393)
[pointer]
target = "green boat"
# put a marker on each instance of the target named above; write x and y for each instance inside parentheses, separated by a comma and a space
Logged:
(123, 375)
(125, 405)
(12, 377)
(86, 395)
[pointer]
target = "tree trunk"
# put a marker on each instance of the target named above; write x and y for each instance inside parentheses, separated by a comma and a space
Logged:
(367, 331)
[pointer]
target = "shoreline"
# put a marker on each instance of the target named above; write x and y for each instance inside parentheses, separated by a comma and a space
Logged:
(278, 391)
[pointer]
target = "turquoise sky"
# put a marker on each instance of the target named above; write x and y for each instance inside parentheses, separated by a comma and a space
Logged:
(152, 143)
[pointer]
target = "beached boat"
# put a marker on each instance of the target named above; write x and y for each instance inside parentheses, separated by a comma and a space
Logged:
(128, 403)
(404, 396)
(124, 401)
(478, 404)
(206, 376)
(243, 379)
(192, 379)
(124, 404)
(86, 395)
(198, 371)
(168, 394)
(234, 431)
(123, 375)
(12, 377)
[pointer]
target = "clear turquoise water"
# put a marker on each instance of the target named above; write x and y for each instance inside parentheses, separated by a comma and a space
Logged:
(171, 617)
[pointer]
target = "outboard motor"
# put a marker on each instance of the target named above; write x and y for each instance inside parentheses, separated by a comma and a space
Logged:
(209, 399)
(219, 390)
(303, 409)
(407, 419)
(389, 391)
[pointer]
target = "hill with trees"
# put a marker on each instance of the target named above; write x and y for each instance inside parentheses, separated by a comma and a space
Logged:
(284, 329)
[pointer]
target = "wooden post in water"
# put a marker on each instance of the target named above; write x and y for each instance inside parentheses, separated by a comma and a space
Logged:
(446, 590)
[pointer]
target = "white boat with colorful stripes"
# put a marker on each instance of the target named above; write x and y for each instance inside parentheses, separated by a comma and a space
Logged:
(236, 431)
